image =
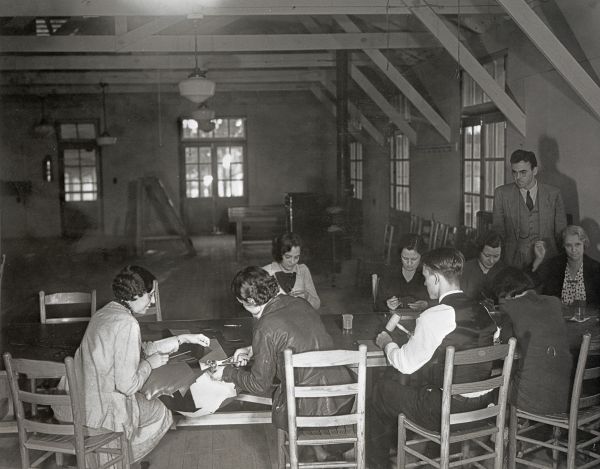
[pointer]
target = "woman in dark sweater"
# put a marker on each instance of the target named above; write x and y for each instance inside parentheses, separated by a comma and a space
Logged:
(404, 286)
(543, 372)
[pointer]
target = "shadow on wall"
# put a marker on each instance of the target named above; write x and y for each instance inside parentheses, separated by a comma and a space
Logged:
(593, 231)
(549, 155)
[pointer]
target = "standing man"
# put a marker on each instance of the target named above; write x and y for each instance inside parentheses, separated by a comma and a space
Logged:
(456, 320)
(526, 213)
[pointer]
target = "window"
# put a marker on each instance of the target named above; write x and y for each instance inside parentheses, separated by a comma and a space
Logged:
(356, 169)
(483, 166)
(217, 153)
(399, 173)
(472, 94)
(79, 162)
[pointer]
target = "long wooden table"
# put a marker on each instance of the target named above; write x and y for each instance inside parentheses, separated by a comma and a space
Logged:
(267, 214)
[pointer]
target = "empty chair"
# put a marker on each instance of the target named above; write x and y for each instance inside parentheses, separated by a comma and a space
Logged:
(482, 424)
(416, 224)
(53, 437)
(68, 300)
(376, 265)
(333, 429)
(582, 424)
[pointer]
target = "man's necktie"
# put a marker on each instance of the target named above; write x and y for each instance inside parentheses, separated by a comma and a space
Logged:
(529, 201)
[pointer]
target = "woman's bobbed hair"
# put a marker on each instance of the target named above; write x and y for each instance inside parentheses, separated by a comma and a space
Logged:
(132, 282)
(284, 243)
(254, 283)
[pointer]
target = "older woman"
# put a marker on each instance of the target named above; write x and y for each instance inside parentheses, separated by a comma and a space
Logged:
(543, 375)
(112, 365)
(571, 276)
(408, 284)
(293, 278)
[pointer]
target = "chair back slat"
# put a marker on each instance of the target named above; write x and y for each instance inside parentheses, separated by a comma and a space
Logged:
(66, 299)
(325, 358)
(327, 391)
(327, 421)
(481, 355)
(474, 415)
(44, 399)
(478, 386)
(49, 428)
(39, 369)
(388, 239)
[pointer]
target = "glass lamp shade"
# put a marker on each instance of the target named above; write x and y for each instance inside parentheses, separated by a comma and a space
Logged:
(106, 139)
(196, 88)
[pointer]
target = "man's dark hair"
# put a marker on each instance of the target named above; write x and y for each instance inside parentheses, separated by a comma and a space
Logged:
(131, 282)
(524, 155)
(412, 242)
(254, 283)
(491, 239)
(284, 243)
(509, 282)
(448, 262)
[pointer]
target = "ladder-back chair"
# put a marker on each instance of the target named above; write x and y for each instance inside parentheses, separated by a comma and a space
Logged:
(52, 436)
(334, 429)
(582, 424)
(483, 424)
(68, 300)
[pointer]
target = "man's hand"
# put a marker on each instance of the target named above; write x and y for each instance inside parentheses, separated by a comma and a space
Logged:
(242, 355)
(419, 304)
(199, 339)
(383, 339)
(157, 360)
(539, 251)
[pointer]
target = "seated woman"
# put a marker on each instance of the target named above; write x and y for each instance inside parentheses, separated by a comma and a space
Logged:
(112, 365)
(571, 276)
(478, 274)
(543, 371)
(404, 286)
(293, 278)
(282, 321)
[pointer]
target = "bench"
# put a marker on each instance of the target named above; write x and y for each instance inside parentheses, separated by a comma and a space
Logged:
(264, 214)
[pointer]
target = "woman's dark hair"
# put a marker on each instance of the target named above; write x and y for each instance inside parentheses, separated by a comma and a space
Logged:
(131, 282)
(284, 243)
(254, 283)
(509, 282)
(491, 239)
(412, 242)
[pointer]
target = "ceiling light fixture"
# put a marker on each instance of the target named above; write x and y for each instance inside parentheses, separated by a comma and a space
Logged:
(197, 88)
(105, 138)
(43, 128)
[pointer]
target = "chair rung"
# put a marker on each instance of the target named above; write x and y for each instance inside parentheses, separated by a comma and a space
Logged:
(324, 440)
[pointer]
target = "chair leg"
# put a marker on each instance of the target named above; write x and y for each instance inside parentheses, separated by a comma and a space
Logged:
(400, 454)
(512, 438)
(571, 449)
(125, 450)
(60, 461)
(280, 451)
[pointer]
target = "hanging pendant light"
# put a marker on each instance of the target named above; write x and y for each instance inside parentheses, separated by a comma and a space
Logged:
(105, 138)
(204, 116)
(197, 88)
(43, 128)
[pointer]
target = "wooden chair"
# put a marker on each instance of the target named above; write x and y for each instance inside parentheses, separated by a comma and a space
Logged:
(70, 298)
(483, 423)
(439, 235)
(343, 428)
(53, 437)
(371, 266)
(154, 311)
(582, 424)
(416, 224)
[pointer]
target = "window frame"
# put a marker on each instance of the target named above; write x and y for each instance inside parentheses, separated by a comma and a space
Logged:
(402, 203)
(356, 169)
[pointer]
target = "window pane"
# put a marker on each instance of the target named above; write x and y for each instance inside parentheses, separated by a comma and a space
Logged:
(221, 128)
(468, 176)
(88, 158)
(205, 153)
(68, 131)
(86, 131)
(237, 188)
(191, 155)
(71, 157)
(191, 189)
(477, 177)
(189, 128)
(237, 154)
(237, 128)
(468, 151)
(191, 172)
(476, 141)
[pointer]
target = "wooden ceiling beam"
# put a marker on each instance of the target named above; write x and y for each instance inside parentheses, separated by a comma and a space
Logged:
(217, 43)
(387, 108)
(36, 8)
(461, 54)
(401, 83)
(557, 54)
(49, 90)
(166, 76)
(171, 61)
(353, 110)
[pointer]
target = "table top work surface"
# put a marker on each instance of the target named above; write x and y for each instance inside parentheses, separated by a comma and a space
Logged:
(54, 342)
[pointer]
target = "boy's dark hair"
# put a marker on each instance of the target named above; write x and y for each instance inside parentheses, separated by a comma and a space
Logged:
(524, 155)
(256, 284)
(448, 262)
